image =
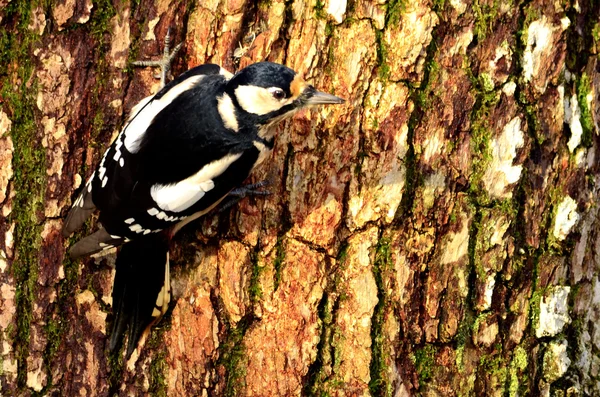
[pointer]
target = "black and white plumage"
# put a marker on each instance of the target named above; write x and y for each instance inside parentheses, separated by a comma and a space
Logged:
(181, 152)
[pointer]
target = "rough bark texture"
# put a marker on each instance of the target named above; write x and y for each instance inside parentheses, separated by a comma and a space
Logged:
(437, 235)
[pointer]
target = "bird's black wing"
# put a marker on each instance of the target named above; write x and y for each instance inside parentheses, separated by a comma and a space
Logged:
(121, 182)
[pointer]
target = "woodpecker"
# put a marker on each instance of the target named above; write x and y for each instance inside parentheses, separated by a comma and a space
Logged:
(181, 152)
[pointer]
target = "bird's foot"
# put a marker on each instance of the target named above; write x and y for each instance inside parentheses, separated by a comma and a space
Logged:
(253, 189)
(165, 62)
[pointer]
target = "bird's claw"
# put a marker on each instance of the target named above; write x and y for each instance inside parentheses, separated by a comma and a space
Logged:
(165, 62)
(253, 189)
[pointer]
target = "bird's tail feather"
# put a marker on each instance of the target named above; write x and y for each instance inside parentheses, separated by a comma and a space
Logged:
(95, 242)
(80, 212)
(141, 291)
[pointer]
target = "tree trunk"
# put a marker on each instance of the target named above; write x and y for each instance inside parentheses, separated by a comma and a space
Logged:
(437, 235)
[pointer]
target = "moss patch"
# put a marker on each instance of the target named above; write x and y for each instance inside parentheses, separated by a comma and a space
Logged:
(279, 261)
(420, 96)
(255, 292)
(320, 10)
(424, 360)
(486, 99)
(322, 378)
(486, 14)
(584, 88)
(232, 356)
(18, 95)
(517, 376)
(100, 28)
(394, 11)
(158, 364)
(379, 385)
(383, 68)
(103, 11)
(116, 365)
(462, 337)
(493, 369)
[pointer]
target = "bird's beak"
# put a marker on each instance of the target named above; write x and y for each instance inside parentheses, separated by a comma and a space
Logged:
(319, 97)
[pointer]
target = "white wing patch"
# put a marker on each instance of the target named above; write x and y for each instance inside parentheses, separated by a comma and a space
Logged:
(228, 75)
(182, 195)
(139, 106)
(147, 112)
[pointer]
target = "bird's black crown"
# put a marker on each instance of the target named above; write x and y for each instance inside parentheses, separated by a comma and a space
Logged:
(266, 75)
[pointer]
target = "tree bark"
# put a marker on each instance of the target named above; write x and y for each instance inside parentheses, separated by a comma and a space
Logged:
(437, 235)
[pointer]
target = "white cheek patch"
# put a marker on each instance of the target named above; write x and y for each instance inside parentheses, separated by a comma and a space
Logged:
(182, 195)
(257, 100)
(148, 109)
(227, 112)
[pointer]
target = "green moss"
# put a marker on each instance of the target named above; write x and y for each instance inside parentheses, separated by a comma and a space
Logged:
(53, 331)
(463, 335)
(480, 319)
(232, 356)
(56, 326)
(322, 378)
(438, 5)
(596, 33)
(474, 244)
(394, 11)
(329, 33)
(517, 377)
(584, 88)
(494, 369)
(553, 244)
(103, 11)
(29, 165)
(1, 357)
(487, 225)
(320, 10)
(158, 365)
(21, 11)
(379, 384)
(100, 28)
(532, 13)
(383, 68)
(116, 365)
(264, 5)
(426, 97)
(317, 377)
(486, 82)
(481, 136)
(485, 16)
(424, 360)
(342, 253)
(6, 47)
(330, 68)
(279, 261)
(254, 289)
(534, 309)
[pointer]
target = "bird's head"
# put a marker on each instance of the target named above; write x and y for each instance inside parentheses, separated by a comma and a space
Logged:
(267, 92)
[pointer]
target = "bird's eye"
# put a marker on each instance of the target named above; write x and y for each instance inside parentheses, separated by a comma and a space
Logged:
(277, 93)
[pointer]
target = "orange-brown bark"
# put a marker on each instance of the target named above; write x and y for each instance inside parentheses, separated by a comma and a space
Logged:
(437, 235)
